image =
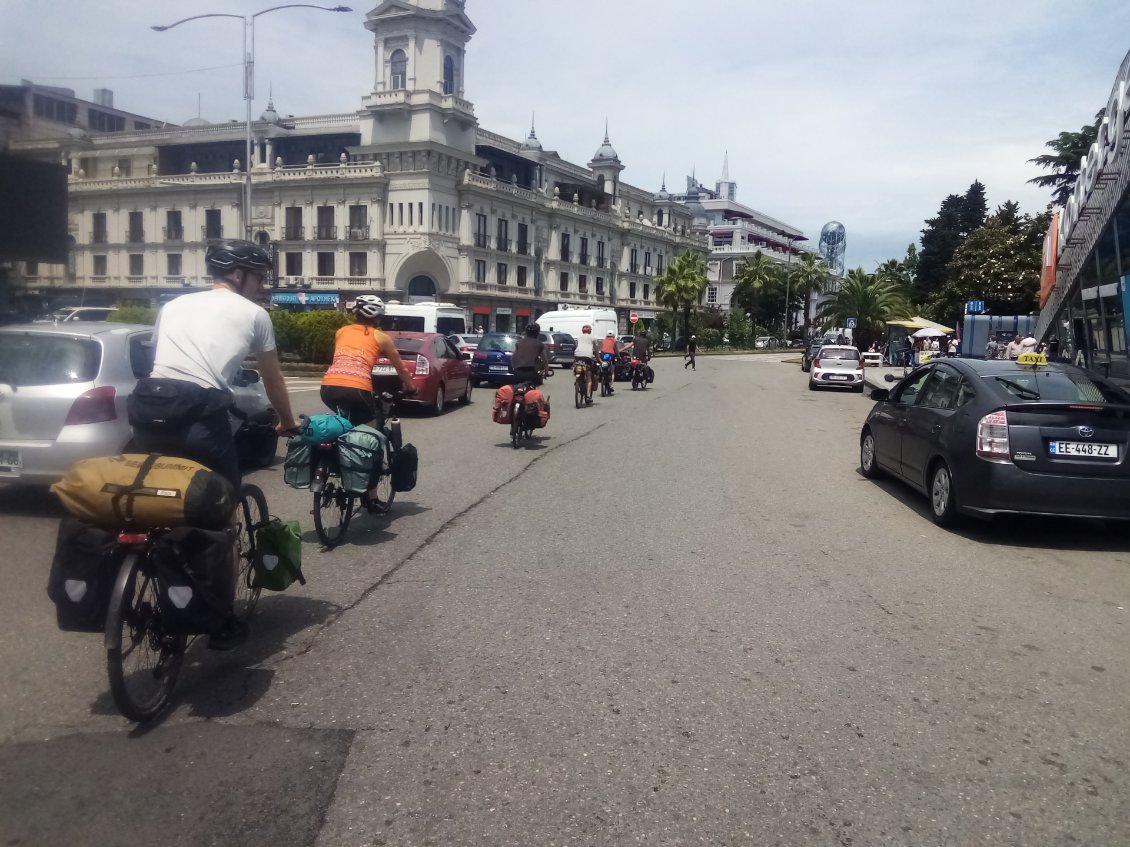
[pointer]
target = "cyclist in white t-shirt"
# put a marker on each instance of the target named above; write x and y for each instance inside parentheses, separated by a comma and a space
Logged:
(201, 340)
(586, 354)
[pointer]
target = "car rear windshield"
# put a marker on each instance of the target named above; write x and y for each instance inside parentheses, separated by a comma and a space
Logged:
(30, 359)
(410, 345)
(562, 338)
(496, 344)
(446, 326)
(1057, 387)
(404, 323)
(839, 353)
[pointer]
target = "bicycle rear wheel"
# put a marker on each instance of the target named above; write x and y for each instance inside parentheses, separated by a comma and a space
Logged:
(333, 509)
(578, 393)
(142, 660)
(251, 513)
(516, 425)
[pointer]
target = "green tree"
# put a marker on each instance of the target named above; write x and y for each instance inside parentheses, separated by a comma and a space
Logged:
(872, 302)
(753, 276)
(958, 216)
(739, 330)
(807, 277)
(134, 315)
(1067, 151)
(681, 285)
(1000, 263)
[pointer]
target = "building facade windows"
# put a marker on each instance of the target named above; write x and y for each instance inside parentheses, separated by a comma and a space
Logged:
(480, 270)
(646, 291)
(293, 264)
(292, 230)
(631, 291)
(98, 233)
(212, 226)
(358, 223)
(566, 253)
(634, 263)
(503, 240)
(712, 294)
(600, 258)
(104, 121)
(583, 283)
(600, 285)
(481, 236)
(398, 70)
(448, 75)
(136, 264)
(325, 264)
(359, 264)
(136, 234)
(501, 273)
(174, 230)
(99, 268)
(173, 264)
(584, 259)
(523, 239)
(520, 276)
(54, 110)
(563, 280)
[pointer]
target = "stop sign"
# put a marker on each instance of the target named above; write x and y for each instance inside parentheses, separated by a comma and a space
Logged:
(634, 318)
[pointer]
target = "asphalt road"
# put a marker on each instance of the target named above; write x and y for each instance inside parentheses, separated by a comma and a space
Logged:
(678, 617)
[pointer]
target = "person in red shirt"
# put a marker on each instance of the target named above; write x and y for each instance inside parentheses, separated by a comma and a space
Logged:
(347, 387)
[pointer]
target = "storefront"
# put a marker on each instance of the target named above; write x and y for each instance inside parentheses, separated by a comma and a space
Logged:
(305, 301)
(498, 318)
(1085, 293)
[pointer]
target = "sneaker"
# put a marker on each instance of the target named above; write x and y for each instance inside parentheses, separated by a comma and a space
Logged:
(233, 634)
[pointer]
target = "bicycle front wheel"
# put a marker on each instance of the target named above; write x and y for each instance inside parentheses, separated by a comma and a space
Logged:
(251, 513)
(515, 425)
(142, 660)
(333, 509)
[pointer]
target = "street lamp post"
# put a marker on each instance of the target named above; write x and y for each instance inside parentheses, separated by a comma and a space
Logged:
(249, 80)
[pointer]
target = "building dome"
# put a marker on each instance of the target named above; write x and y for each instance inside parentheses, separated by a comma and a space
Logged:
(663, 194)
(197, 121)
(531, 143)
(269, 114)
(606, 152)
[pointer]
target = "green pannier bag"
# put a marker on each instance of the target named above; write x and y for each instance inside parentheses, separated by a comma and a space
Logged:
(278, 555)
(298, 469)
(360, 455)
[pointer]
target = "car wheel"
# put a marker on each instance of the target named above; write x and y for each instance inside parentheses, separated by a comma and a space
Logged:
(812, 385)
(437, 406)
(867, 463)
(466, 398)
(943, 496)
(475, 383)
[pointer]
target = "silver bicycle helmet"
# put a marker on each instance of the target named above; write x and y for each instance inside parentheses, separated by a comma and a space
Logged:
(225, 256)
(369, 306)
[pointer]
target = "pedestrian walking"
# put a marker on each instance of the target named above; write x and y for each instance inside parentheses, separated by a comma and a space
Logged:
(692, 348)
(1012, 349)
(992, 349)
(1028, 344)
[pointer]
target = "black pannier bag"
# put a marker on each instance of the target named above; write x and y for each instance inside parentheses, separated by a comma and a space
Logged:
(405, 461)
(195, 579)
(298, 467)
(82, 575)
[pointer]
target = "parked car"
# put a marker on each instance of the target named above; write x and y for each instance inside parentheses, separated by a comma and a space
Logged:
(490, 363)
(810, 354)
(765, 342)
(991, 437)
(836, 366)
(465, 343)
(79, 313)
(440, 371)
(561, 348)
(63, 390)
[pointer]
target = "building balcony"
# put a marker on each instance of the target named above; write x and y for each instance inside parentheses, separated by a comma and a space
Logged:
(523, 248)
(324, 233)
(173, 233)
(633, 268)
(99, 238)
(293, 233)
(601, 262)
(502, 244)
(358, 233)
(211, 233)
(583, 258)
(566, 256)
(482, 239)
(135, 236)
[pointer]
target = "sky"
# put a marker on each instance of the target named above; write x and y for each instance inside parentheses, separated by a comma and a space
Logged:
(867, 112)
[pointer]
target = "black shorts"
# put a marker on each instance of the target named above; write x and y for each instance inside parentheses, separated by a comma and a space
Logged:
(531, 375)
(356, 404)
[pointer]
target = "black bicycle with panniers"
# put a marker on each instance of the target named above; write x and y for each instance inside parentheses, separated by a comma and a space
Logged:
(363, 467)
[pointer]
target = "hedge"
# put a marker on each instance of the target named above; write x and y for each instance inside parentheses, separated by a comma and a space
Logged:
(309, 336)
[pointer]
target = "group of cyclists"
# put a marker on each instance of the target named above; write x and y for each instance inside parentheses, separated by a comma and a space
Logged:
(201, 340)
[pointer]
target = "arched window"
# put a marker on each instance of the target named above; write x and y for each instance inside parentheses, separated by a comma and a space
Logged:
(448, 75)
(422, 286)
(398, 63)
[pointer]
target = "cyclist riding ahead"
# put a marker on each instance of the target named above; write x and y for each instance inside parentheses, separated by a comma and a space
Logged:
(585, 354)
(201, 340)
(610, 348)
(530, 358)
(642, 351)
(347, 387)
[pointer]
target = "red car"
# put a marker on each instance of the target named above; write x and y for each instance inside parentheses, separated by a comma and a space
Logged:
(439, 371)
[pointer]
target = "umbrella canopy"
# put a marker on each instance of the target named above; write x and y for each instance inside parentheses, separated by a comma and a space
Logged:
(928, 332)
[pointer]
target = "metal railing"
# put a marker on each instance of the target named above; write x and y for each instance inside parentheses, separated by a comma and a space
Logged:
(481, 239)
(136, 236)
(293, 233)
(358, 233)
(325, 233)
(210, 232)
(174, 233)
(501, 243)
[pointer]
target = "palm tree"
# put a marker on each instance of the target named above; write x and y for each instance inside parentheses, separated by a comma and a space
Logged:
(754, 275)
(681, 286)
(808, 277)
(1068, 149)
(868, 299)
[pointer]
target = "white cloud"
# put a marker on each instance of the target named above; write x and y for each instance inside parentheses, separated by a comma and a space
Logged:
(867, 112)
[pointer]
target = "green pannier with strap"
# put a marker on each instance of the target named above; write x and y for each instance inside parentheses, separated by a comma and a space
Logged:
(360, 455)
(298, 468)
(278, 555)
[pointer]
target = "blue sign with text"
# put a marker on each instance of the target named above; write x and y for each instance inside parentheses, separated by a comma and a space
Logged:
(975, 307)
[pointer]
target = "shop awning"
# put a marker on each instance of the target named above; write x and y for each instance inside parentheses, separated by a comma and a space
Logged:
(522, 313)
(480, 310)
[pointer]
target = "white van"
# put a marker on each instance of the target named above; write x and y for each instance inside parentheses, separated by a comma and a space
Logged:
(602, 321)
(444, 318)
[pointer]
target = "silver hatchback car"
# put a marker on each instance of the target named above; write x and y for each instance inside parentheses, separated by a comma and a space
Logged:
(63, 391)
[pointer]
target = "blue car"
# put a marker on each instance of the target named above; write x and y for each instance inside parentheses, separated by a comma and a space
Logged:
(490, 363)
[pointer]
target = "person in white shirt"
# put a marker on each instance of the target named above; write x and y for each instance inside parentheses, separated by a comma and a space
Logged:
(1012, 349)
(953, 347)
(1028, 344)
(586, 354)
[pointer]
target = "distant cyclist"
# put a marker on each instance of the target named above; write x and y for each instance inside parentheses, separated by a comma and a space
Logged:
(585, 353)
(347, 387)
(530, 359)
(610, 348)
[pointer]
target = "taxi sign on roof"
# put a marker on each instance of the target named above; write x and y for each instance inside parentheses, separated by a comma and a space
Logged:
(1032, 359)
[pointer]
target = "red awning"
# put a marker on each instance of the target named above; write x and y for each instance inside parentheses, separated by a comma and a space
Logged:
(522, 313)
(480, 310)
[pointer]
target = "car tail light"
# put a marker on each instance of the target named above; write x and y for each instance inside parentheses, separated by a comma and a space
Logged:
(93, 406)
(859, 365)
(992, 437)
(480, 357)
(815, 363)
(423, 367)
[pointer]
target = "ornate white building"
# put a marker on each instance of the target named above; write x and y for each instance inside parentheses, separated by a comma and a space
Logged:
(407, 198)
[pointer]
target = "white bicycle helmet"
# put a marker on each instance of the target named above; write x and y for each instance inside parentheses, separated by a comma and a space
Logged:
(369, 306)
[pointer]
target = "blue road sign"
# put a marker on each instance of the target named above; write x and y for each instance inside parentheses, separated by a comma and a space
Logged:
(850, 323)
(974, 307)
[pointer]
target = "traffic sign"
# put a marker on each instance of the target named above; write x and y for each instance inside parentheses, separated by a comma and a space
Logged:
(974, 307)
(634, 318)
(850, 323)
